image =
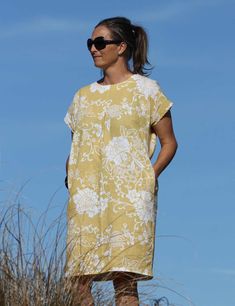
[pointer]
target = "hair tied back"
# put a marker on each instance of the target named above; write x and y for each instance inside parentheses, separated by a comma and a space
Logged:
(133, 29)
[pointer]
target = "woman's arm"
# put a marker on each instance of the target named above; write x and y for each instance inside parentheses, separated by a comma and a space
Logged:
(164, 130)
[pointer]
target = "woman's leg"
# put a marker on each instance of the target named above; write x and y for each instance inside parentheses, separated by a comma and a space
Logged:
(126, 292)
(81, 291)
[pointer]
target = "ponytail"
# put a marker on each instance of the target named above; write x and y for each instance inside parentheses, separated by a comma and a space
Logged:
(140, 50)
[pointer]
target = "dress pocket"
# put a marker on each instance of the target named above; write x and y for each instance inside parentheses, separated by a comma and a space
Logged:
(155, 178)
(154, 181)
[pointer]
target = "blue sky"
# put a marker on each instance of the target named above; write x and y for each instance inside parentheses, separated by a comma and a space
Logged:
(44, 60)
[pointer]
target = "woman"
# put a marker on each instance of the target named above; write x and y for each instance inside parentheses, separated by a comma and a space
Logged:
(112, 183)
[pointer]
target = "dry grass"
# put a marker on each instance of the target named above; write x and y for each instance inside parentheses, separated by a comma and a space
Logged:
(31, 264)
(32, 260)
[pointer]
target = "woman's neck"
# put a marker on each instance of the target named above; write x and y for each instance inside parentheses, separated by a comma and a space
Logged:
(113, 76)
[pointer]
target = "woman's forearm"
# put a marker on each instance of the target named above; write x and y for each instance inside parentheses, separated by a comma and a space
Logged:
(165, 156)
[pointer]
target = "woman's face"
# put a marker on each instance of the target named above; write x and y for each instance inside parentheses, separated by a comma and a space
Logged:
(109, 55)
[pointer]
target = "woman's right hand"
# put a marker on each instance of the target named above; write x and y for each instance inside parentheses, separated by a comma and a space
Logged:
(66, 181)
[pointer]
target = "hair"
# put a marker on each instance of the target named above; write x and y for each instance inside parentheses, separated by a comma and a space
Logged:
(136, 39)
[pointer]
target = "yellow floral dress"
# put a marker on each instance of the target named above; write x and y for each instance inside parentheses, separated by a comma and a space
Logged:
(112, 185)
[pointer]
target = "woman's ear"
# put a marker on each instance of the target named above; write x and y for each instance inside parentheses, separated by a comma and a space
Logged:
(122, 48)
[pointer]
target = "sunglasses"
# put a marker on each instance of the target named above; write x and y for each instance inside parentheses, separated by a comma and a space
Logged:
(100, 43)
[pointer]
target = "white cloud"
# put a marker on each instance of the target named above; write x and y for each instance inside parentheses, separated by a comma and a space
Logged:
(170, 11)
(44, 25)
(150, 14)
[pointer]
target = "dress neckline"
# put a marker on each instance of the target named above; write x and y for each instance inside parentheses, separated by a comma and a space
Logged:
(115, 84)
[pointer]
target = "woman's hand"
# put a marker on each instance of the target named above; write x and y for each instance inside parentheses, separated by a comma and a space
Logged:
(66, 181)
(67, 167)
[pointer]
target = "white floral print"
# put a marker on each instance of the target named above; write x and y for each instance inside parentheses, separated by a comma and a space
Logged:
(112, 188)
(143, 204)
(114, 111)
(117, 150)
(100, 88)
(86, 201)
(148, 87)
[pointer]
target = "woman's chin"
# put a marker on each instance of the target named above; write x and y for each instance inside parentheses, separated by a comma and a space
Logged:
(98, 65)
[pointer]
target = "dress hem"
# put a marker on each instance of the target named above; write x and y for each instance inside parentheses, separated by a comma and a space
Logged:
(110, 275)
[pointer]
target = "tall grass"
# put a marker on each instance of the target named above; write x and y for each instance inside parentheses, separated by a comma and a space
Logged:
(32, 261)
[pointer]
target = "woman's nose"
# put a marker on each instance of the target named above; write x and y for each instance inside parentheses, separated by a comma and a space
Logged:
(93, 48)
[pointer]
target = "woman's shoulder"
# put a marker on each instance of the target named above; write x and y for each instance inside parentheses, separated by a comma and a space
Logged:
(145, 80)
(146, 85)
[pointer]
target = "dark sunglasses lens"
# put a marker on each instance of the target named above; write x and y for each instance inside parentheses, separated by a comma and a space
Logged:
(89, 43)
(98, 42)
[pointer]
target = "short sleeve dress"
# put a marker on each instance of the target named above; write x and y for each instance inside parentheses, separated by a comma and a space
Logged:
(112, 186)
